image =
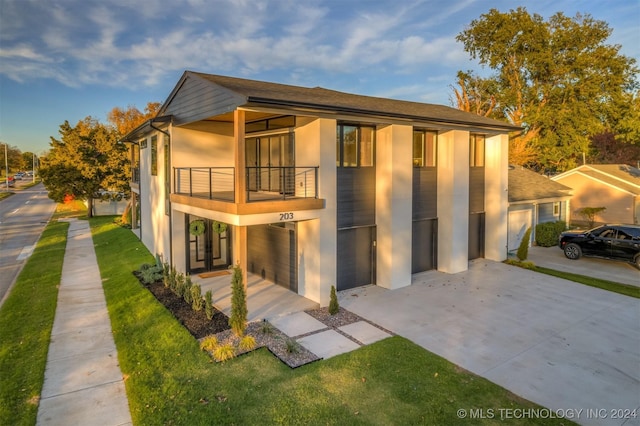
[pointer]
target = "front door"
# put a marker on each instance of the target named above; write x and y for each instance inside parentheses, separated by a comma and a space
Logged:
(356, 253)
(208, 243)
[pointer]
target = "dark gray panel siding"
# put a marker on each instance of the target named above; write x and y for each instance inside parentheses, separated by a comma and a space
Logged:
(198, 99)
(476, 189)
(271, 254)
(425, 192)
(356, 196)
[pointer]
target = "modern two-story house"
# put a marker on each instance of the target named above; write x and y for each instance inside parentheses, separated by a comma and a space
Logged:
(310, 187)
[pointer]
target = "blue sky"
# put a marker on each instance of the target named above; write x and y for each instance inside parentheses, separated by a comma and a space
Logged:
(68, 59)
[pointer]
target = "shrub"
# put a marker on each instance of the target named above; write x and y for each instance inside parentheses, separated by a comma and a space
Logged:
(209, 343)
(166, 275)
(589, 214)
(196, 297)
(333, 302)
(150, 275)
(179, 286)
(523, 249)
(186, 290)
(266, 327)
(208, 305)
(547, 233)
(238, 318)
(293, 347)
(224, 352)
(247, 343)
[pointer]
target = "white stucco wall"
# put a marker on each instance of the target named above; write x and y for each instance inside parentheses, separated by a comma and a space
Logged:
(394, 186)
(317, 238)
(453, 201)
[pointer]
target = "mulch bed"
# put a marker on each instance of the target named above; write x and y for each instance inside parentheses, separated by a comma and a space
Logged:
(196, 323)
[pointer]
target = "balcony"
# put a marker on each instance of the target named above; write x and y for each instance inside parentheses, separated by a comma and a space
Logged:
(263, 183)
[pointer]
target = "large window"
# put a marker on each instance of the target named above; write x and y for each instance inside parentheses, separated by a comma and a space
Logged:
(355, 146)
(154, 156)
(476, 150)
(424, 148)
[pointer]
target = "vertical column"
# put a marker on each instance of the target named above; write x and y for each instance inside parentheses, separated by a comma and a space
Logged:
(394, 177)
(240, 232)
(496, 197)
(453, 201)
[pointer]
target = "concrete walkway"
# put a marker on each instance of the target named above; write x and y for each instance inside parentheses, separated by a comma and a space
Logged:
(561, 344)
(83, 384)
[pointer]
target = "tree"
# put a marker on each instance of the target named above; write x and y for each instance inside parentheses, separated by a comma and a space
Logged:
(85, 160)
(14, 158)
(557, 79)
(238, 318)
(125, 120)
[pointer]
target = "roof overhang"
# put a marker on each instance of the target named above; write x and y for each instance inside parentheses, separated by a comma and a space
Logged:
(145, 128)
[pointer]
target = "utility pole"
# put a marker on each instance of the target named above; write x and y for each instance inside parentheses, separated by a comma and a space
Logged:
(6, 167)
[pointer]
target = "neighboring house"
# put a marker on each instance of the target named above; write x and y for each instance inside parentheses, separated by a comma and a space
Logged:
(533, 199)
(310, 187)
(614, 186)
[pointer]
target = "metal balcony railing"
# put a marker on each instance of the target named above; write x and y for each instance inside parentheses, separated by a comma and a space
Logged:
(263, 183)
(285, 182)
(213, 183)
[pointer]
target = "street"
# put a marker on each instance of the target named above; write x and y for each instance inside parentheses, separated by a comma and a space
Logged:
(23, 217)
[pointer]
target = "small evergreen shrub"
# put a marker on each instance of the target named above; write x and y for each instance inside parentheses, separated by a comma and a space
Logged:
(224, 352)
(209, 343)
(166, 275)
(247, 343)
(238, 318)
(186, 290)
(196, 297)
(150, 275)
(208, 305)
(547, 233)
(333, 302)
(523, 249)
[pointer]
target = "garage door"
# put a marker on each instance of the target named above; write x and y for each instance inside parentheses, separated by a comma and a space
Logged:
(356, 257)
(519, 222)
(272, 254)
(424, 245)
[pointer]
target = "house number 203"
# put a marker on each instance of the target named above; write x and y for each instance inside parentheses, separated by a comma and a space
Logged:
(286, 216)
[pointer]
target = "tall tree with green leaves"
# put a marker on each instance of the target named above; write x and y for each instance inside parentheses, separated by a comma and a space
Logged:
(558, 79)
(86, 159)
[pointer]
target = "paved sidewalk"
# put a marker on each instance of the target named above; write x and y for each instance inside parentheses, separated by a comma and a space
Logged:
(83, 384)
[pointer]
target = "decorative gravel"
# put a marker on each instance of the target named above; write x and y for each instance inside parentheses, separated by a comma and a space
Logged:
(266, 335)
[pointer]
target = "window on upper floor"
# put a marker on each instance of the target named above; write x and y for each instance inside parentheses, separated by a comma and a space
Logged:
(476, 150)
(355, 146)
(154, 156)
(424, 148)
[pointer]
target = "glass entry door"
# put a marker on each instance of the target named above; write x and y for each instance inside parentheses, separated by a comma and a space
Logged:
(270, 160)
(209, 250)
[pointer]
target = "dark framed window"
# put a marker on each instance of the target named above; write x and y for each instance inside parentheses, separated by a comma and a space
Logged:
(476, 150)
(424, 148)
(355, 146)
(154, 156)
(273, 123)
(143, 143)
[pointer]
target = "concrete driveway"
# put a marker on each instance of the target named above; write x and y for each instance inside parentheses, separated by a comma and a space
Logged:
(606, 269)
(555, 342)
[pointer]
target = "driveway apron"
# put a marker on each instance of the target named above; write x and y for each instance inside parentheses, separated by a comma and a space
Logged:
(83, 384)
(563, 345)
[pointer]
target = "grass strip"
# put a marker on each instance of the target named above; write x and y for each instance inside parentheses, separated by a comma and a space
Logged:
(26, 320)
(626, 289)
(170, 381)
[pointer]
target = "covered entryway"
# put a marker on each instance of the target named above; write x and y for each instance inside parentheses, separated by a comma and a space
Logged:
(208, 245)
(271, 253)
(476, 235)
(356, 257)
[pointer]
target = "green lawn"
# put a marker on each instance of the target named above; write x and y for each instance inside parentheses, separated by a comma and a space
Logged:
(170, 381)
(626, 289)
(26, 319)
